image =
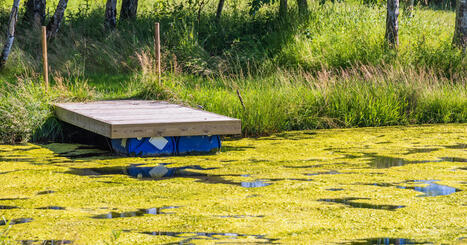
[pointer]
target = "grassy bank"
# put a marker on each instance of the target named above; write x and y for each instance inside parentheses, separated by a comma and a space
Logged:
(281, 101)
(329, 69)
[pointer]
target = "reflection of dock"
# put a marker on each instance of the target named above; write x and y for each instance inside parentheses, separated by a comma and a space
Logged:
(139, 118)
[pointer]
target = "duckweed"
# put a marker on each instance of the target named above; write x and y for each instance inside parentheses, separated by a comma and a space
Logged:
(59, 190)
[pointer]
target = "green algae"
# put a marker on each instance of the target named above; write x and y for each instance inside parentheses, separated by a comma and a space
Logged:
(213, 206)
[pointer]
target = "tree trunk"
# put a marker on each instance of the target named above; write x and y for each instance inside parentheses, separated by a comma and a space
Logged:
(302, 6)
(409, 8)
(283, 8)
(392, 28)
(56, 20)
(110, 14)
(10, 36)
(35, 12)
(220, 6)
(129, 9)
(460, 30)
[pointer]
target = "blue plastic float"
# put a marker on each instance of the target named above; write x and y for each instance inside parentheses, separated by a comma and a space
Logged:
(163, 146)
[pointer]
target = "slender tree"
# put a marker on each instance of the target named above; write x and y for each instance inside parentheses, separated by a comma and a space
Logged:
(302, 6)
(56, 20)
(35, 12)
(10, 34)
(111, 14)
(460, 31)
(409, 8)
(129, 9)
(283, 8)
(392, 27)
(220, 6)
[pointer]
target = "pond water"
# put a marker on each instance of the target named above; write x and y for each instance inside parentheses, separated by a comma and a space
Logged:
(340, 186)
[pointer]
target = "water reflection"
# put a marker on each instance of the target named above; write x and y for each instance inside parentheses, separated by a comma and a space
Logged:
(327, 172)
(15, 221)
(52, 207)
(350, 201)
(7, 207)
(432, 189)
(45, 192)
(384, 241)
(139, 212)
(45, 242)
(188, 237)
(254, 184)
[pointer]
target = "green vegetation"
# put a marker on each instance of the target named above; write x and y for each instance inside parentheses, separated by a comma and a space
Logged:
(289, 209)
(328, 69)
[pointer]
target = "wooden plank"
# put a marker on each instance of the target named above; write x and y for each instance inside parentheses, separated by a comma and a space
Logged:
(130, 119)
(82, 121)
(175, 129)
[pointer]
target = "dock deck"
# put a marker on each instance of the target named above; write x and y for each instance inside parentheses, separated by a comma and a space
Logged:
(142, 118)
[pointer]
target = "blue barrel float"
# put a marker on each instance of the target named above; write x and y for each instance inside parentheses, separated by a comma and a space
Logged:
(165, 146)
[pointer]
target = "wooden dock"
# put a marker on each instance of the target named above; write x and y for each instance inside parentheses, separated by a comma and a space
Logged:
(141, 118)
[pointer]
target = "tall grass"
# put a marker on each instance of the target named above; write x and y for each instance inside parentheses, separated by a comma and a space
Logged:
(329, 69)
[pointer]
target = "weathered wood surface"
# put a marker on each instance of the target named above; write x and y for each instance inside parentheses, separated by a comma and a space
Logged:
(136, 118)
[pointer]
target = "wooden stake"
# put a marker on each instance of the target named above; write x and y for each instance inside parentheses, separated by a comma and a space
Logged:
(44, 57)
(157, 50)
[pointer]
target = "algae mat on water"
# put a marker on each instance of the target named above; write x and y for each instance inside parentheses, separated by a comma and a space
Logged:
(364, 185)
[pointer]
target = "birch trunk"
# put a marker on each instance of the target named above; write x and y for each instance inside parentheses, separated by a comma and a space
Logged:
(110, 14)
(10, 35)
(35, 12)
(56, 20)
(129, 9)
(460, 30)
(392, 27)
(220, 6)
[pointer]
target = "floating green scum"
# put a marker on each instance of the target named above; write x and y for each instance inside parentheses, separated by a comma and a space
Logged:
(369, 185)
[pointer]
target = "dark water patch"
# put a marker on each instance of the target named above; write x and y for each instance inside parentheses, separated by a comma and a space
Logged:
(226, 148)
(254, 184)
(384, 142)
(420, 150)
(74, 155)
(52, 208)
(453, 159)
(240, 216)
(96, 171)
(8, 207)
(457, 146)
(14, 198)
(16, 159)
(227, 160)
(45, 192)
(331, 172)
(211, 236)
(335, 189)
(44, 242)
(138, 213)
(432, 189)
(387, 162)
(463, 168)
(15, 221)
(350, 201)
(383, 241)
(306, 166)
(301, 179)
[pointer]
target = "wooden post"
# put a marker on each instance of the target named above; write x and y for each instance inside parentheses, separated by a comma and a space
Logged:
(44, 57)
(157, 50)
